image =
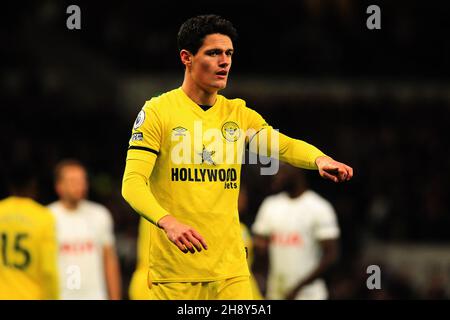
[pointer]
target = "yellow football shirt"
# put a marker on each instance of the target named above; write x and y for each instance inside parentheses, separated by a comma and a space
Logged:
(196, 179)
(28, 249)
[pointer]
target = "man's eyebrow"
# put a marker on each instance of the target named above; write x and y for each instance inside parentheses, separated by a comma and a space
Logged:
(219, 49)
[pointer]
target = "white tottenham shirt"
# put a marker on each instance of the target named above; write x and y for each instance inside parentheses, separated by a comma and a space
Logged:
(295, 227)
(82, 234)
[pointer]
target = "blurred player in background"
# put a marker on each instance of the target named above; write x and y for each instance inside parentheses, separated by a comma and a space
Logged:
(248, 242)
(300, 230)
(28, 259)
(196, 247)
(88, 264)
(138, 289)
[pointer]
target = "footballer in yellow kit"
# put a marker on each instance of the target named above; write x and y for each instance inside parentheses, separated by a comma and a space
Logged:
(202, 192)
(183, 171)
(28, 265)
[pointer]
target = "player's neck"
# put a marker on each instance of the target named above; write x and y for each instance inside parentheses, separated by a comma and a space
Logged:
(296, 192)
(23, 194)
(197, 94)
(28, 191)
(69, 204)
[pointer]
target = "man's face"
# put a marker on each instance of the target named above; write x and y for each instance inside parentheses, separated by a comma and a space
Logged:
(286, 178)
(212, 62)
(72, 184)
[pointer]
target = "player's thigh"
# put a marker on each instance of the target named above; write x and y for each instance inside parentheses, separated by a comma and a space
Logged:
(238, 288)
(179, 291)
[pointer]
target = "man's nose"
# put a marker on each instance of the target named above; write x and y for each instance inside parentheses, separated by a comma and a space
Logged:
(224, 61)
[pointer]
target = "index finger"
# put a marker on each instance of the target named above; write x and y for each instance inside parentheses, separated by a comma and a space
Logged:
(345, 172)
(180, 246)
(350, 173)
(329, 176)
(342, 173)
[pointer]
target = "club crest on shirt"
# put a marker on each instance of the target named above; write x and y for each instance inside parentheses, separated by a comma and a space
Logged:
(139, 120)
(230, 131)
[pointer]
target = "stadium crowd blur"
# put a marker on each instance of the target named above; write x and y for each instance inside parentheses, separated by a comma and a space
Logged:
(378, 100)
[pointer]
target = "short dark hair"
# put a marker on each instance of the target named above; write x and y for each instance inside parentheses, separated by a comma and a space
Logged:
(20, 176)
(194, 30)
(66, 163)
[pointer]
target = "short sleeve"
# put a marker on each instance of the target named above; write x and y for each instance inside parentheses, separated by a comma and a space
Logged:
(326, 225)
(262, 225)
(106, 234)
(147, 129)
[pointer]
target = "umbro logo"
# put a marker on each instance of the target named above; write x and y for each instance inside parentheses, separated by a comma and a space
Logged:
(179, 131)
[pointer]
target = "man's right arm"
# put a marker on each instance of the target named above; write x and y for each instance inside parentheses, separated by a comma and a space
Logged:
(136, 191)
(135, 188)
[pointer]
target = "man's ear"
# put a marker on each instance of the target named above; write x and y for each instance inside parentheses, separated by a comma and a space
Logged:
(58, 188)
(186, 57)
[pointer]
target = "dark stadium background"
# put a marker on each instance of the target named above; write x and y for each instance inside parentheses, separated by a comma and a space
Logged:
(378, 100)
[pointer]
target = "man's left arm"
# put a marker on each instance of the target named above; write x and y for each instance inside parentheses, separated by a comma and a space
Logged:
(330, 253)
(111, 266)
(266, 141)
(302, 154)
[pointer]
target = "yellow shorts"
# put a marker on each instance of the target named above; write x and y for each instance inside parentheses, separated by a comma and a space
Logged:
(138, 289)
(238, 288)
